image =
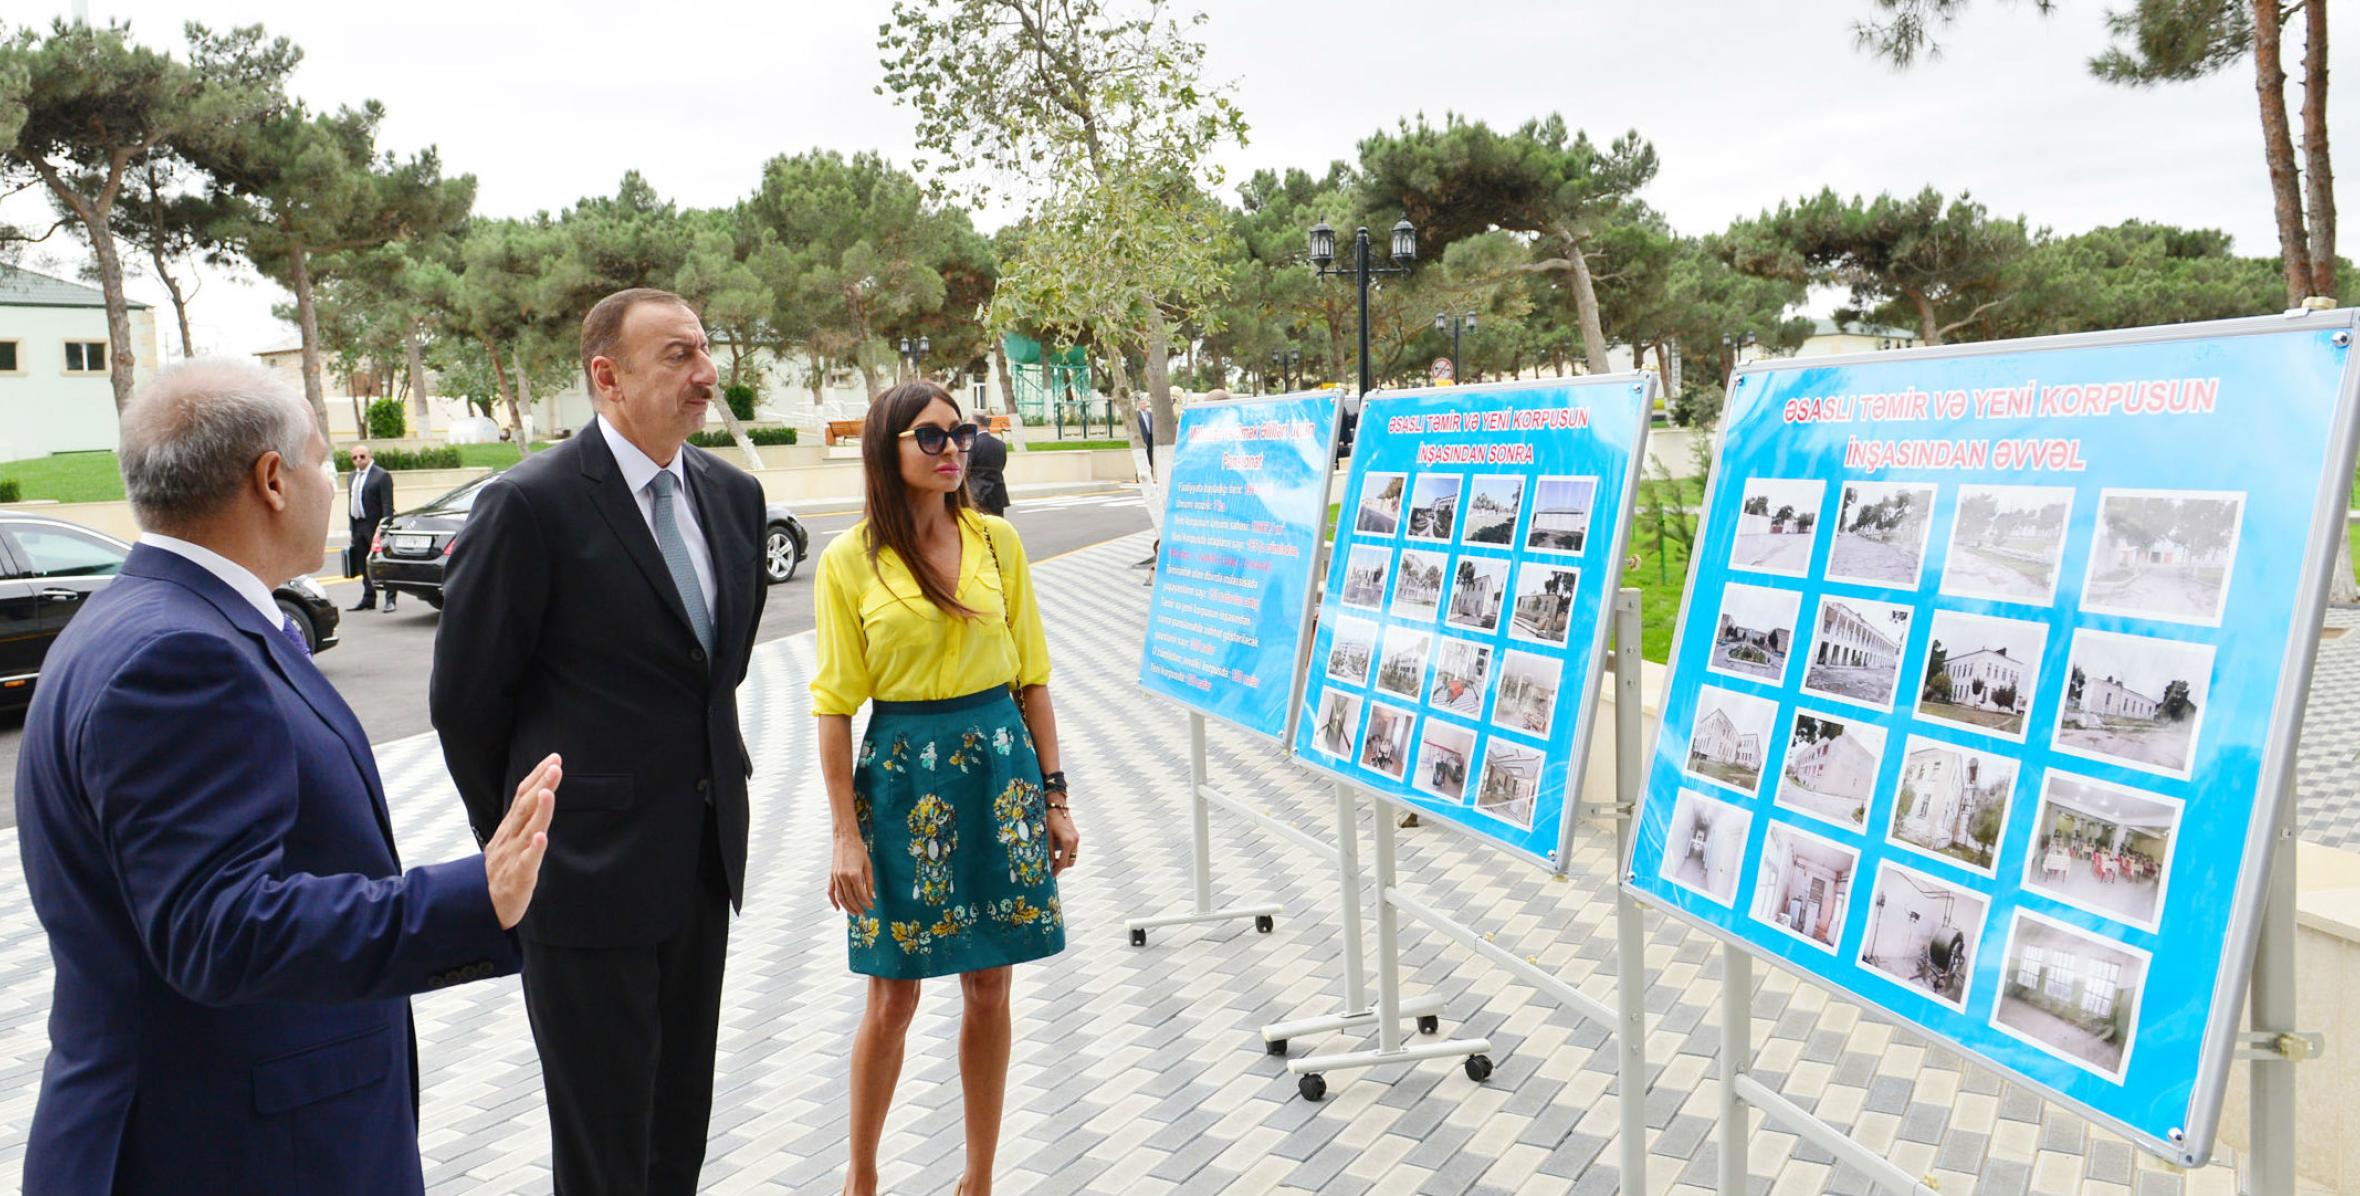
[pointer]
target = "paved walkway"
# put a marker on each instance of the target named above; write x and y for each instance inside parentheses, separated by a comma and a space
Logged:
(1139, 1071)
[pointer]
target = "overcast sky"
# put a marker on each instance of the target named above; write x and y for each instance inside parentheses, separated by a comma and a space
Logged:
(1747, 101)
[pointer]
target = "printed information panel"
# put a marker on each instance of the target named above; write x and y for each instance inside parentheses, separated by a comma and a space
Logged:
(1987, 673)
(1246, 497)
(1464, 620)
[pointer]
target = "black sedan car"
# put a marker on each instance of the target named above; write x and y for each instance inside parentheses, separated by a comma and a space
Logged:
(413, 546)
(49, 568)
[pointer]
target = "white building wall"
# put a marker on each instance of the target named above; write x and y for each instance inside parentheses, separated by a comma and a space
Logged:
(44, 409)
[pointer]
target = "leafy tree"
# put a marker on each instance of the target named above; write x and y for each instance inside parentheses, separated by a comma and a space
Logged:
(2131, 275)
(166, 209)
(1938, 264)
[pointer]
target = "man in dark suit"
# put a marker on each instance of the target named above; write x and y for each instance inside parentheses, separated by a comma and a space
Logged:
(206, 844)
(987, 473)
(603, 598)
(369, 502)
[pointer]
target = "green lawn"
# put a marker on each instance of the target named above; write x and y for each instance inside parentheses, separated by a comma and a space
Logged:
(67, 477)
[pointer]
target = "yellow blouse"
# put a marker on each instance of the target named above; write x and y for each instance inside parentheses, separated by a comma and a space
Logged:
(879, 637)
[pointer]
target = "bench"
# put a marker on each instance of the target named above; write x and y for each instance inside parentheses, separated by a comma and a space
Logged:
(839, 430)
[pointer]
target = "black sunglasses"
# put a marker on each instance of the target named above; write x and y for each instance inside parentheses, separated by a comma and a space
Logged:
(932, 438)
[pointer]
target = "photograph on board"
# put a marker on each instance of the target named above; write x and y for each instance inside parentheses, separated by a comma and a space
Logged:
(1804, 884)
(1544, 602)
(1980, 672)
(1560, 514)
(1478, 584)
(1923, 932)
(1444, 752)
(1434, 506)
(2103, 848)
(2135, 700)
(1953, 801)
(1528, 686)
(1775, 521)
(1510, 783)
(1461, 670)
(1881, 530)
(1417, 593)
(1380, 504)
(1352, 650)
(2163, 554)
(1402, 667)
(1830, 770)
(1730, 738)
(1856, 650)
(1385, 748)
(1338, 724)
(2005, 543)
(1756, 632)
(1704, 850)
(1364, 576)
(2070, 993)
(1492, 506)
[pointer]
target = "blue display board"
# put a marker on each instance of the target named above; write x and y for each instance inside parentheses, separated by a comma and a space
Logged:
(1987, 678)
(1463, 624)
(1245, 504)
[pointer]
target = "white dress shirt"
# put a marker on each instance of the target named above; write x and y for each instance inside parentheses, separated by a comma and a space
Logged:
(358, 477)
(638, 470)
(231, 573)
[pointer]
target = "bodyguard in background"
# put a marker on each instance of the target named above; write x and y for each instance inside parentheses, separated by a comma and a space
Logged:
(987, 473)
(206, 844)
(369, 499)
(603, 599)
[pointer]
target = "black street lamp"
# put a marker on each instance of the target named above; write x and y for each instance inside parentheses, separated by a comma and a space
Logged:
(1733, 345)
(1287, 364)
(1443, 322)
(1323, 256)
(913, 352)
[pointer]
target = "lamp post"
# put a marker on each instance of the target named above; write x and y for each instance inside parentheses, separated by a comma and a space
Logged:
(1734, 345)
(913, 352)
(1288, 365)
(1323, 256)
(1444, 322)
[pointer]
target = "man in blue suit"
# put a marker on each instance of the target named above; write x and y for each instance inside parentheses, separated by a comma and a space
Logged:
(206, 843)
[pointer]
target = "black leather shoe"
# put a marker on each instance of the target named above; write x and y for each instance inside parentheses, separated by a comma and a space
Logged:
(361, 607)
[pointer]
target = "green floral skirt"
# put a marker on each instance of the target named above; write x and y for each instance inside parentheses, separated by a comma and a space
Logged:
(949, 799)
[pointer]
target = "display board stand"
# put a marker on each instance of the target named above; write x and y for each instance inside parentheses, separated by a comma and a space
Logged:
(1201, 856)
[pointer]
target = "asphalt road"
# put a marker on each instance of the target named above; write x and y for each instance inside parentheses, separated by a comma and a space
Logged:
(381, 666)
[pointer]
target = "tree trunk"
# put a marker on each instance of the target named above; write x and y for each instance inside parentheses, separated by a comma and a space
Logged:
(524, 404)
(1663, 368)
(188, 345)
(1928, 331)
(868, 373)
(307, 318)
(2318, 176)
(508, 397)
(1007, 380)
(2278, 150)
(1159, 374)
(819, 376)
(1585, 304)
(93, 214)
(414, 348)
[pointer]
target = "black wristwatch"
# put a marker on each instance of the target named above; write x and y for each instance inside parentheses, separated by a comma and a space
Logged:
(1053, 782)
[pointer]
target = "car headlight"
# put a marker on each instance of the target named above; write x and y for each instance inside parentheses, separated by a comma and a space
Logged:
(308, 588)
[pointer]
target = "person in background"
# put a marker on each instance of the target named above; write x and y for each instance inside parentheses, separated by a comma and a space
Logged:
(206, 844)
(987, 466)
(949, 834)
(369, 503)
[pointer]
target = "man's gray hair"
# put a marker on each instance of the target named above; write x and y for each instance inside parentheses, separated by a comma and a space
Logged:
(191, 434)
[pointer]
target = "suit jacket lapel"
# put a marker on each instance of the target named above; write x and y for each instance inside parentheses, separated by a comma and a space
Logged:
(612, 497)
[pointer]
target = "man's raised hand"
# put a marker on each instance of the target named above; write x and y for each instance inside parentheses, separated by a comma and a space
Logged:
(512, 860)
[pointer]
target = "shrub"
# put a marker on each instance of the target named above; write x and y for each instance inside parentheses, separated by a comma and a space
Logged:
(387, 420)
(444, 457)
(11, 490)
(740, 397)
(720, 438)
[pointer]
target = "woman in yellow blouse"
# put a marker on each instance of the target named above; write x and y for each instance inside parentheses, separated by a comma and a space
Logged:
(948, 833)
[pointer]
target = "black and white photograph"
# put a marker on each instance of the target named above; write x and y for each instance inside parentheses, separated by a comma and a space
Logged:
(1510, 783)
(2164, 554)
(1527, 700)
(1953, 801)
(1351, 650)
(1923, 932)
(1543, 611)
(1446, 754)
(1776, 522)
(1492, 506)
(1830, 769)
(1730, 738)
(1881, 530)
(2005, 543)
(1560, 514)
(2135, 700)
(1380, 504)
(1401, 668)
(1338, 724)
(1756, 632)
(1855, 650)
(2103, 848)
(2071, 994)
(1364, 576)
(1385, 748)
(1462, 670)
(1478, 588)
(1417, 593)
(1434, 506)
(1804, 884)
(1980, 672)
(1704, 849)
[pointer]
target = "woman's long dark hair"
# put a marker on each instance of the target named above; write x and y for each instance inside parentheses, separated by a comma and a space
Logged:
(890, 524)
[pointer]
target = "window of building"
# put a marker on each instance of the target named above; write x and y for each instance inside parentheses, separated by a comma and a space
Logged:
(59, 552)
(2028, 967)
(86, 357)
(8, 357)
(2097, 998)
(2061, 977)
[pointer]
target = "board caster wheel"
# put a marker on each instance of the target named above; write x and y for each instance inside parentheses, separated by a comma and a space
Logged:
(1139, 938)
(1429, 1024)
(1276, 1046)
(1263, 923)
(1313, 1088)
(1479, 1068)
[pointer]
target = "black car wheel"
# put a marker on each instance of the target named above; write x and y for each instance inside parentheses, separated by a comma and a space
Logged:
(780, 554)
(311, 635)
